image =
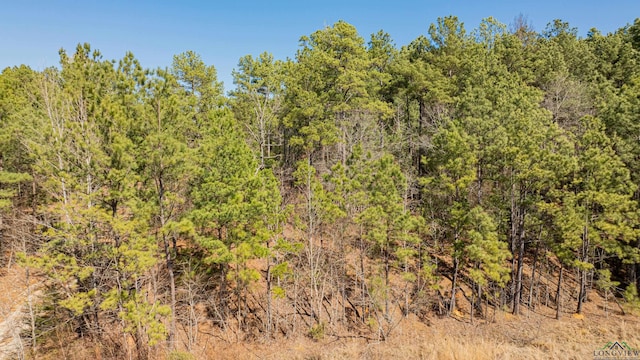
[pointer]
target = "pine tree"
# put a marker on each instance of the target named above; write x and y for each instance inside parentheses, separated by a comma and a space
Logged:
(388, 223)
(257, 102)
(327, 100)
(236, 209)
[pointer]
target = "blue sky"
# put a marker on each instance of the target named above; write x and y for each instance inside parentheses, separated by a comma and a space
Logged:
(32, 32)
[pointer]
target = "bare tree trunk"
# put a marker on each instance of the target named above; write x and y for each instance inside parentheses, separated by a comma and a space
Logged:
(559, 294)
(581, 292)
(520, 231)
(532, 285)
(518, 284)
(471, 304)
(386, 283)
(141, 345)
(269, 281)
(454, 284)
(362, 282)
(482, 312)
(223, 293)
(169, 264)
(192, 319)
(583, 273)
(512, 240)
(172, 285)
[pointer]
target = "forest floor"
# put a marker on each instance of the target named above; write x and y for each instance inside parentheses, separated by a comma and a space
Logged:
(529, 336)
(532, 335)
(13, 297)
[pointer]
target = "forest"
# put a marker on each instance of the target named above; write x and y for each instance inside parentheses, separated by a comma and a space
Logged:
(467, 173)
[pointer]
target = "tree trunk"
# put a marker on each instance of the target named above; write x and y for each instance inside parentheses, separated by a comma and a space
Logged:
(512, 241)
(223, 293)
(533, 270)
(482, 312)
(583, 272)
(141, 345)
(581, 289)
(172, 285)
(268, 314)
(169, 264)
(559, 294)
(362, 282)
(472, 303)
(160, 188)
(518, 283)
(452, 303)
(386, 283)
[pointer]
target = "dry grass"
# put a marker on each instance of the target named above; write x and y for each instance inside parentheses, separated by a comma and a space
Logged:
(532, 335)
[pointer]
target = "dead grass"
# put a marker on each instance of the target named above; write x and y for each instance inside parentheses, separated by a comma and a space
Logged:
(529, 336)
(12, 290)
(533, 335)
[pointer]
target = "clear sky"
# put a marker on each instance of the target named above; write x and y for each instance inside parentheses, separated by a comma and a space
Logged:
(32, 31)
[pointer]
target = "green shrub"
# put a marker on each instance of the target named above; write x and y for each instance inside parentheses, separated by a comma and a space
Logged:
(180, 355)
(317, 331)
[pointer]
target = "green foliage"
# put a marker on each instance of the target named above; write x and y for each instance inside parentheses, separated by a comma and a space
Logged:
(328, 90)
(631, 297)
(317, 331)
(278, 292)
(429, 274)
(388, 225)
(379, 291)
(486, 251)
(320, 205)
(631, 293)
(257, 102)
(236, 204)
(604, 281)
(141, 315)
(180, 355)
(472, 146)
(595, 209)
(9, 178)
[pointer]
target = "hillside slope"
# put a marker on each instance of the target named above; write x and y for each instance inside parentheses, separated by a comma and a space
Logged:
(533, 335)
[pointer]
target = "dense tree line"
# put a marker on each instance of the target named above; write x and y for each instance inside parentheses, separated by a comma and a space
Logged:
(343, 189)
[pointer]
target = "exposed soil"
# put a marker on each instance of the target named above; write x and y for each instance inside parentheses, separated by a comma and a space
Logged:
(14, 309)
